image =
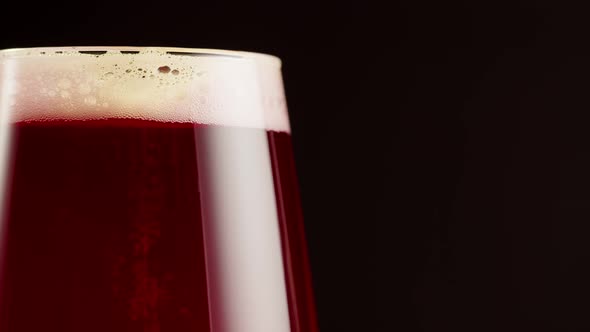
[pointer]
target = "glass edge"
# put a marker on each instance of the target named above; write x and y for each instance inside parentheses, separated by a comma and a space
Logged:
(262, 58)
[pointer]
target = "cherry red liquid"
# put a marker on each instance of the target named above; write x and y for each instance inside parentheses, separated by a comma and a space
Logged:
(108, 226)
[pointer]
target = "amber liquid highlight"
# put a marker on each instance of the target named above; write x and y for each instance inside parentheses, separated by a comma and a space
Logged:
(105, 227)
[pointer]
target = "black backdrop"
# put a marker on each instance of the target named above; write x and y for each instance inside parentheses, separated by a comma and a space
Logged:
(488, 183)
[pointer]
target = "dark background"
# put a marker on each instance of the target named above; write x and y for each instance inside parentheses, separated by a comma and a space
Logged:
(443, 147)
(489, 175)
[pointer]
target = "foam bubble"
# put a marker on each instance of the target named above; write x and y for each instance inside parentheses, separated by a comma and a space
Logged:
(151, 84)
(90, 100)
(64, 83)
(164, 69)
(84, 89)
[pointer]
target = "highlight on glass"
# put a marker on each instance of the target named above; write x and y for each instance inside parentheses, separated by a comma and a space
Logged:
(148, 189)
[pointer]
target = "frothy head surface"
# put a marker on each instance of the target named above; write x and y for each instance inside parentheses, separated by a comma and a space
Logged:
(171, 85)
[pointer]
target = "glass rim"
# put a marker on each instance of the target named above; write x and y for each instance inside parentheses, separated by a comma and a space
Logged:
(262, 58)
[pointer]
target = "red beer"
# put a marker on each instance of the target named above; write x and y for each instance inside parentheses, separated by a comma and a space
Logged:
(148, 190)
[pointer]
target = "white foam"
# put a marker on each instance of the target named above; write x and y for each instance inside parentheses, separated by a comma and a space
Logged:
(201, 86)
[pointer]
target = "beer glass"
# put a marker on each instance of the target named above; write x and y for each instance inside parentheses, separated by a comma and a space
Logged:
(148, 189)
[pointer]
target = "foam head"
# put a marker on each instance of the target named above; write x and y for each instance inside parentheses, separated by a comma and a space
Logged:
(161, 84)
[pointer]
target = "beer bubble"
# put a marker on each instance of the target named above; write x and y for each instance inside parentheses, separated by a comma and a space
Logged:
(164, 69)
(64, 83)
(84, 89)
(90, 100)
